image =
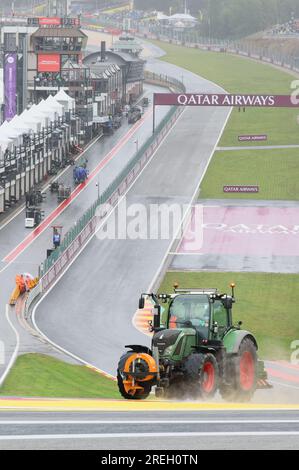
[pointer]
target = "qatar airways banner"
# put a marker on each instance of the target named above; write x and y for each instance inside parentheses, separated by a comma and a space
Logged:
(240, 101)
(10, 85)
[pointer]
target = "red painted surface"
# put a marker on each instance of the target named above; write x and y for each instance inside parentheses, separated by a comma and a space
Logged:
(51, 217)
(282, 375)
(288, 365)
(48, 63)
(54, 21)
(255, 231)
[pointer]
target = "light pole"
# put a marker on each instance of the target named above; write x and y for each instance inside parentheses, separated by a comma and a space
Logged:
(136, 142)
(36, 82)
(98, 188)
(210, 25)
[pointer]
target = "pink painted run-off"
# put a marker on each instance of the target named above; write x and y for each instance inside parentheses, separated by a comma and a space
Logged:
(285, 376)
(255, 231)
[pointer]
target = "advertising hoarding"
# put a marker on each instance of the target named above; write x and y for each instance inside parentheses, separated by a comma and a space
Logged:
(49, 21)
(241, 189)
(53, 22)
(252, 138)
(48, 63)
(201, 99)
(10, 85)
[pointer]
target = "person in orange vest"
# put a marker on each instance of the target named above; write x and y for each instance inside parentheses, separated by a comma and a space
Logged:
(177, 316)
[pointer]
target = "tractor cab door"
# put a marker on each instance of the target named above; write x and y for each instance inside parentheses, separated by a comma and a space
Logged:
(221, 317)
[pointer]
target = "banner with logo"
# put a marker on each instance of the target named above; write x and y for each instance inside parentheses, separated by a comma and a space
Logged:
(50, 21)
(10, 85)
(48, 63)
(201, 99)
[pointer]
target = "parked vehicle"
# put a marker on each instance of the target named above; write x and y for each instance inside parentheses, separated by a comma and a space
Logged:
(134, 115)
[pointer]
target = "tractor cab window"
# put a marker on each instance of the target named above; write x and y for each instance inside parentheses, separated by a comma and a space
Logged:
(220, 315)
(190, 311)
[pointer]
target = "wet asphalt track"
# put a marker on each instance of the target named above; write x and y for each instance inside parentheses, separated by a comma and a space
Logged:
(155, 430)
(89, 312)
(12, 234)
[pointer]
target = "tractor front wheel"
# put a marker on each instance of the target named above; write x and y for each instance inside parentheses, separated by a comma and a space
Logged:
(138, 395)
(202, 375)
(242, 374)
(125, 391)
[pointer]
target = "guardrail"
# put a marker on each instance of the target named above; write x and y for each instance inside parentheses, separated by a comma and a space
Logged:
(85, 227)
(32, 296)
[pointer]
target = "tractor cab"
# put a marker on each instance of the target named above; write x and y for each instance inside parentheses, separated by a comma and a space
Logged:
(203, 310)
(190, 311)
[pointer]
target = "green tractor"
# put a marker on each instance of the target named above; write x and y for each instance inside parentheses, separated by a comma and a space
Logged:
(196, 351)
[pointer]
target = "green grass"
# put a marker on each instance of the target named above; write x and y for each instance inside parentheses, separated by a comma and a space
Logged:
(274, 171)
(241, 75)
(235, 74)
(266, 303)
(280, 125)
(37, 375)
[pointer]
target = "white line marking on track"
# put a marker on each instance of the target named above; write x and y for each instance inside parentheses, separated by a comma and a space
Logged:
(168, 421)
(16, 350)
(29, 437)
(177, 253)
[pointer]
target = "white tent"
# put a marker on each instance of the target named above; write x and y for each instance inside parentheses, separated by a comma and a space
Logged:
(183, 17)
(4, 125)
(34, 119)
(162, 17)
(4, 143)
(43, 109)
(21, 124)
(63, 98)
(53, 104)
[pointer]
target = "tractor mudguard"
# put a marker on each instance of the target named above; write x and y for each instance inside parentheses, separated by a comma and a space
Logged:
(234, 338)
(139, 349)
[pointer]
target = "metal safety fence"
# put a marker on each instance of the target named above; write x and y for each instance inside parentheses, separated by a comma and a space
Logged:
(193, 38)
(241, 47)
(81, 231)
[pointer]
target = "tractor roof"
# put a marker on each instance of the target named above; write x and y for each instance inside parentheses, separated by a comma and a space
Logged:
(206, 291)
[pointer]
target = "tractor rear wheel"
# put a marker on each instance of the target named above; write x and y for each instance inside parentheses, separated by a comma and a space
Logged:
(139, 394)
(242, 374)
(202, 375)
